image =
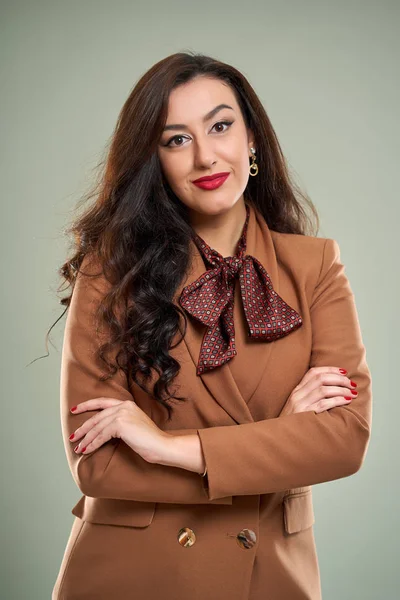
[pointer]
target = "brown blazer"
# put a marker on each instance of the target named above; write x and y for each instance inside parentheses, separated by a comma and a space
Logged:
(250, 520)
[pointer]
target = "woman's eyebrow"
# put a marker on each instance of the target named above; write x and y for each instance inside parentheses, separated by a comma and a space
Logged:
(206, 117)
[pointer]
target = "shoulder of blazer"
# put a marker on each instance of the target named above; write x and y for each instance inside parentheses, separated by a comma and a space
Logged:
(302, 256)
(295, 244)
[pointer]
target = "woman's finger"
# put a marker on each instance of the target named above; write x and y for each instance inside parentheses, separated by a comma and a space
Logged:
(93, 421)
(94, 403)
(327, 403)
(98, 435)
(327, 391)
(315, 375)
(319, 386)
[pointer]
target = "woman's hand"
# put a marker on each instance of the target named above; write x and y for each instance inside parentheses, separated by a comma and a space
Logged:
(119, 419)
(320, 389)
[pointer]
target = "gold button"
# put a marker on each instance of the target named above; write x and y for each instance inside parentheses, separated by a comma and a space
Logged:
(186, 537)
(246, 538)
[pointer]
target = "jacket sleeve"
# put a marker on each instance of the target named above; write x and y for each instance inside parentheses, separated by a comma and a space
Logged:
(114, 470)
(304, 448)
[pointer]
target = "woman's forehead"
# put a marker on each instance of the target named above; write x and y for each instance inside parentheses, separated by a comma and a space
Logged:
(195, 99)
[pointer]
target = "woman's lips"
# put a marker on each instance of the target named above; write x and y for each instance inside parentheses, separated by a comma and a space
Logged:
(213, 183)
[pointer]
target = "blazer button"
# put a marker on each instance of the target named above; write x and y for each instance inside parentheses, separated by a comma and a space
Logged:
(246, 538)
(186, 537)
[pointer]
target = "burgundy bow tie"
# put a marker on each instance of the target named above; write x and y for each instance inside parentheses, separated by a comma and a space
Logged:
(210, 300)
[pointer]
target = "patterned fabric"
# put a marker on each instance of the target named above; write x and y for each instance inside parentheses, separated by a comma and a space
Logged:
(210, 300)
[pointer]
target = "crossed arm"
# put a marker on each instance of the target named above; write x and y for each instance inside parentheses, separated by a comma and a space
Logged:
(286, 452)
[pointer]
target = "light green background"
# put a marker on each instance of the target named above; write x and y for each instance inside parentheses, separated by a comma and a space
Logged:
(327, 73)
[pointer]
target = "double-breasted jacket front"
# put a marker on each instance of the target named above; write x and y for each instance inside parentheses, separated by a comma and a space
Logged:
(245, 531)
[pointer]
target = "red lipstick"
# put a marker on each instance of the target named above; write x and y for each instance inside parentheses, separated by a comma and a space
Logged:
(211, 182)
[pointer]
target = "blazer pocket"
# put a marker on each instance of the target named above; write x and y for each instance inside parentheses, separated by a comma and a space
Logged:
(298, 511)
(109, 511)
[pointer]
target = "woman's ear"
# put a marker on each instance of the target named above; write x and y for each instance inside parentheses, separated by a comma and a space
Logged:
(250, 139)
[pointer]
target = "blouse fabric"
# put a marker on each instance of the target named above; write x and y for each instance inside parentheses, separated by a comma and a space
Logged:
(210, 300)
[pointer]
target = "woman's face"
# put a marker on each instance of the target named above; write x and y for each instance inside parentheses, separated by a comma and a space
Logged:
(195, 147)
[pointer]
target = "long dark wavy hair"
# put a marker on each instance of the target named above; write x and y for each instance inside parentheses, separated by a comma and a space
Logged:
(139, 231)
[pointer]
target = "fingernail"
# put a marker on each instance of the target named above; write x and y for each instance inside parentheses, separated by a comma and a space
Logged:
(348, 398)
(354, 392)
(71, 437)
(83, 449)
(353, 383)
(74, 408)
(76, 448)
(343, 371)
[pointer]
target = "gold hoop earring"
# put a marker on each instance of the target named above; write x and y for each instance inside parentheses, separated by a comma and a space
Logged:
(253, 165)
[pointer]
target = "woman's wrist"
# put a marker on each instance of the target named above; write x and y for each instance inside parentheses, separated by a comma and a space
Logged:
(184, 452)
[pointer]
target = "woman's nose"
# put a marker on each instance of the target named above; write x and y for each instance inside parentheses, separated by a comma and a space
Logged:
(204, 155)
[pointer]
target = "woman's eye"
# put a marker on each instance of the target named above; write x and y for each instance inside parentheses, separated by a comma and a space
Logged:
(182, 137)
(223, 123)
(176, 137)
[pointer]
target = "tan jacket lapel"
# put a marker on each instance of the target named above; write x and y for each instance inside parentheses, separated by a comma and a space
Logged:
(253, 355)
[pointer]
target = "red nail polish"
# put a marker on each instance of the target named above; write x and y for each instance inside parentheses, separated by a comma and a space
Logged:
(348, 398)
(83, 449)
(353, 383)
(74, 408)
(76, 448)
(71, 437)
(343, 371)
(354, 392)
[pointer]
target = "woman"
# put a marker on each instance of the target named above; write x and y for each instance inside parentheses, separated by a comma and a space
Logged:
(214, 287)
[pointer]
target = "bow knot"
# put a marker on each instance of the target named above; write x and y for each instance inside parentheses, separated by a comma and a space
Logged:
(231, 266)
(210, 300)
